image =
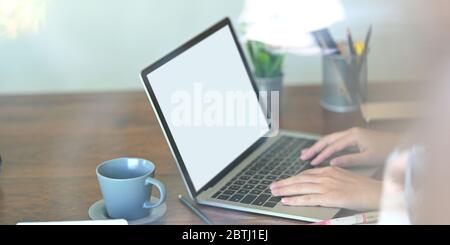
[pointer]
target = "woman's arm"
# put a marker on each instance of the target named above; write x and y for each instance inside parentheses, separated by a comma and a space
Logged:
(329, 187)
(372, 147)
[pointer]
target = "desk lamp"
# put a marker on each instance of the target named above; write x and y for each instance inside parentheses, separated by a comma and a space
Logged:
(273, 28)
(286, 25)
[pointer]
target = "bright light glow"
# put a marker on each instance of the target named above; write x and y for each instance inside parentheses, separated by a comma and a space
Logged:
(18, 16)
(287, 23)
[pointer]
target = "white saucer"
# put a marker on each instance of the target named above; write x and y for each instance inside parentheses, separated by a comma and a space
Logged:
(98, 212)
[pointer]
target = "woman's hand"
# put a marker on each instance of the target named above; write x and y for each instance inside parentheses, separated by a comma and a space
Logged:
(329, 187)
(372, 147)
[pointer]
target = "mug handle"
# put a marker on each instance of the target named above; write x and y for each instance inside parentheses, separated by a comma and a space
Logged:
(162, 193)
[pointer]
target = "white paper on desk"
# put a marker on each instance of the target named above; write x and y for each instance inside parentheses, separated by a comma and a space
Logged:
(79, 222)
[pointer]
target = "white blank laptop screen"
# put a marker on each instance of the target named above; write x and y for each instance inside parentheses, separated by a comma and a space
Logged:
(192, 89)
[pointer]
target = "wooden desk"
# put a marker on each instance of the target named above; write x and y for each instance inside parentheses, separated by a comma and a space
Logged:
(51, 145)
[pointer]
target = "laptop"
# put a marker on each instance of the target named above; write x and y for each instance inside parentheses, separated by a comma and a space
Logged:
(223, 164)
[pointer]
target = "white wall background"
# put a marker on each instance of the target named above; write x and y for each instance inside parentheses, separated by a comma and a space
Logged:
(101, 45)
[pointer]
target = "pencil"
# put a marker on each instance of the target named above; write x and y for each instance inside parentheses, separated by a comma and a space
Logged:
(343, 85)
(364, 218)
(366, 50)
(363, 60)
(351, 44)
(195, 210)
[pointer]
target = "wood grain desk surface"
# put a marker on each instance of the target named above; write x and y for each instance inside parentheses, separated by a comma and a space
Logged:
(51, 145)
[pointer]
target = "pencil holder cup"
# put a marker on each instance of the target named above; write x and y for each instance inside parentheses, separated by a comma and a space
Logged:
(344, 82)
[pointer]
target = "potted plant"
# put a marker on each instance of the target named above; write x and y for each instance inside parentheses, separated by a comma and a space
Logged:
(267, 66)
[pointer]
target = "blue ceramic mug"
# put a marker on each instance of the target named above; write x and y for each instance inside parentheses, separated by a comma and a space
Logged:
(126, 186)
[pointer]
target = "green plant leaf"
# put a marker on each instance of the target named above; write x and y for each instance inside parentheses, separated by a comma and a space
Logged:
(265, 63)
(250, 51)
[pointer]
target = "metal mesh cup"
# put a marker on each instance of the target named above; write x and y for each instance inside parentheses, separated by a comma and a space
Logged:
(344, 82)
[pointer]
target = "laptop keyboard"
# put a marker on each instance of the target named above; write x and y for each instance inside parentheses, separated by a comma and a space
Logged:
(280, 161)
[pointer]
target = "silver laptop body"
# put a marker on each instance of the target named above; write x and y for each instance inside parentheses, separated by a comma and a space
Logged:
(237, 175)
